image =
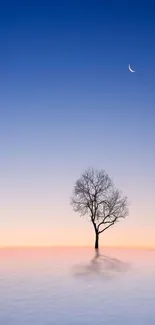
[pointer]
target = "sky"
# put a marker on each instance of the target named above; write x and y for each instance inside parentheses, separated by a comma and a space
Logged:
(69, 102)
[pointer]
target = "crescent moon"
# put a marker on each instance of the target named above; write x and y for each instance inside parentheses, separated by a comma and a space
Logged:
(130, 68)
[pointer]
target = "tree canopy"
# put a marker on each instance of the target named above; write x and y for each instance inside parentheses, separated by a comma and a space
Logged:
(95, 196)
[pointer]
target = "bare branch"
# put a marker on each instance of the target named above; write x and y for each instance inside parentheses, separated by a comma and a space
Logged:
(111, 224)
(94, 195)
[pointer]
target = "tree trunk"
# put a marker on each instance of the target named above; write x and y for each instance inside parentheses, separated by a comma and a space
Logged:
(97, 241)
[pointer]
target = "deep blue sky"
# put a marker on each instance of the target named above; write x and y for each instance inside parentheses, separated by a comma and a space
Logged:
(68, 101)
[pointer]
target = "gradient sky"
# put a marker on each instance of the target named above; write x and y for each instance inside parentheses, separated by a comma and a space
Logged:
(68, 102)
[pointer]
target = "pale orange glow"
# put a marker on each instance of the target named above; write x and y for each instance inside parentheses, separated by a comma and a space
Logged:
(116, 237)
(40, 224)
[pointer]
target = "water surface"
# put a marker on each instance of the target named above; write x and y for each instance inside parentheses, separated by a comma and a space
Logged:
(67, 286)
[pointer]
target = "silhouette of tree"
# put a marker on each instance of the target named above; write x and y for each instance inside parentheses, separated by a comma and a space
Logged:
(95, 195)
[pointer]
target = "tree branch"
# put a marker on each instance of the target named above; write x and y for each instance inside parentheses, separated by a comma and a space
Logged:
(106, 227)
(95, 196)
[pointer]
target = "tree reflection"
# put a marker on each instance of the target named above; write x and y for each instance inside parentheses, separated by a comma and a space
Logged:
(101, 265)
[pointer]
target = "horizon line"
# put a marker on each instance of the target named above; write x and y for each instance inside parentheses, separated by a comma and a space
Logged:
(74, 246)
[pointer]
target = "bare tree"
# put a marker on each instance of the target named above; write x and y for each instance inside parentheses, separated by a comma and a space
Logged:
(94, 195)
